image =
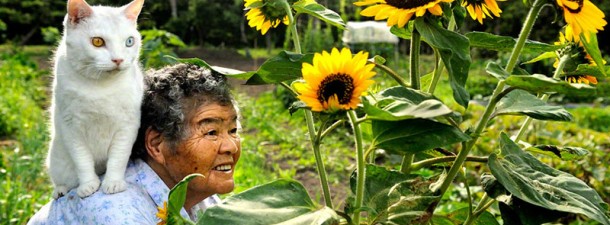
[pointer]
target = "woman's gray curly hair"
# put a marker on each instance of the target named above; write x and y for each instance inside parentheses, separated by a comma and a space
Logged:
(168, 98)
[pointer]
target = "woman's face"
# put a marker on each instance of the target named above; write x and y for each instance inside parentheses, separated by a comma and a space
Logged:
(212, 148)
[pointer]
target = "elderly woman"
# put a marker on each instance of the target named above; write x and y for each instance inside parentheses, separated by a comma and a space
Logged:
(189, 125)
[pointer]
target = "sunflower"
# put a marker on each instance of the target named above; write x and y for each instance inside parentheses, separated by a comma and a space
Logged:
(335, 81)
(399, 12)
(162, 214)
(480, 9)
(265, 14)
(582, 16)
(580, 55)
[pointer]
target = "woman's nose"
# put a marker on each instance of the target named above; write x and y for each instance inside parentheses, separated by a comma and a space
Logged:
(229, 144)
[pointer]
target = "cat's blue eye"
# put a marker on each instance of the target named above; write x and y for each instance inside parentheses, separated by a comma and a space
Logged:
(130, 41)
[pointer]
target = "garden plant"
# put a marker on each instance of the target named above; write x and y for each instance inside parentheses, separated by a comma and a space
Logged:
(336, 87)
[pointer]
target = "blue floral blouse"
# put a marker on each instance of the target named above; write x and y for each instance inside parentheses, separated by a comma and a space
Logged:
(136, 205)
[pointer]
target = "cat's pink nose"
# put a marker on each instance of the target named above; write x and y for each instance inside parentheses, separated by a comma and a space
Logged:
(117, 61)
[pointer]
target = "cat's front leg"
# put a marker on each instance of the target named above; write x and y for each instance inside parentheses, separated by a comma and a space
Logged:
(118, 155)
(89, 182)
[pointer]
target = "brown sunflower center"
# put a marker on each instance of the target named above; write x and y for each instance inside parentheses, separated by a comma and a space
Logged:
(577, 10)
(340, 84)
(408, 4)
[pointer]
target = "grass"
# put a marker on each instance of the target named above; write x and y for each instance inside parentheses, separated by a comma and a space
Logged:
(274, 143)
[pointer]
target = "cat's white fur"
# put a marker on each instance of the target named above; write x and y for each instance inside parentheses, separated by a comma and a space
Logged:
(97, 94)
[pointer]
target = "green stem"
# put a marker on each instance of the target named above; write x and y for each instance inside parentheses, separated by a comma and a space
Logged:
(414, 60)
(459, 161)
(360, 163)
(319, 162)
(314, 138)
(562, 62)
(293, 28)
(407, 160)
(485, 203)
(331, 128)
(428, 162)
(392, 74)
(438, 71)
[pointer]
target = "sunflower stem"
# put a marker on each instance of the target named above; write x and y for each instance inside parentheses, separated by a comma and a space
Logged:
(392, 74)
(562, 62)
(485, 203)
(407, 160)
(319, 162)
(351, 114)
(314, 138)
(461, 157)
(293, 28)
(431, 161)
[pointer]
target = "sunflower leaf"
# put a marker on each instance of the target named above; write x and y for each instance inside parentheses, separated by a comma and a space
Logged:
(279, 202)
(534, 182)
(405, 32)
(391, 197)
(506, 44)
(320, 12)
(565, 153)
(585, 69)
(519, 102)
(177, 197)
(399, 103)
(543, 56)
(539, 83)
(286, 66)
(496, 70)
(592, 48)
(414, 135)
(455, 52)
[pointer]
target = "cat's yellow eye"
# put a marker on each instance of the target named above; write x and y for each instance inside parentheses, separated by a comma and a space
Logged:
(97, 41)
(129, 42)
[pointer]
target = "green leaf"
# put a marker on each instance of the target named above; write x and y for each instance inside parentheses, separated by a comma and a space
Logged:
(404, 32)
(286, 66)
(506, 44)
(460, 215)
(496, 70)
(564, 153)
(176, 199)
(515, 210)
(539, 83)
(295, 106)
(543, 56)
(399, 103)
(279, 202)
(391, 197)
(592, 48)
(320, 12)
(585, 69)
(414, 135)
(519, 102)
(193, 61)
(530, 180)
(378, 59)
(455, 52)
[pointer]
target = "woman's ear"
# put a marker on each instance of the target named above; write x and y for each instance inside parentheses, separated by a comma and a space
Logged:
(153, 141)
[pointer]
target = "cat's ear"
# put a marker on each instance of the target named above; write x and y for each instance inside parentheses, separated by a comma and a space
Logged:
(132, 10)
(77, 10)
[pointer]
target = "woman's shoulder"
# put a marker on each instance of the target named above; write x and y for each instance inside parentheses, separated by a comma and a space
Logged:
(127, 207)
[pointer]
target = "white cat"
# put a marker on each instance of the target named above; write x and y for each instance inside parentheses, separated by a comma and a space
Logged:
(97, 93)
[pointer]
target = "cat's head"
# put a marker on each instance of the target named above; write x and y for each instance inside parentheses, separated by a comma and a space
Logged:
(102, 40)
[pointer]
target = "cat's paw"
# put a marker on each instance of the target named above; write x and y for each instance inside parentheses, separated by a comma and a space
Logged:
(88, 188)
(60, 191)
(113, 186)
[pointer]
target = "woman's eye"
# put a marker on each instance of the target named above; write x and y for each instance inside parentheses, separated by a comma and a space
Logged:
(234, 132)
(129, 42)
(211, 134)
(98, 41)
